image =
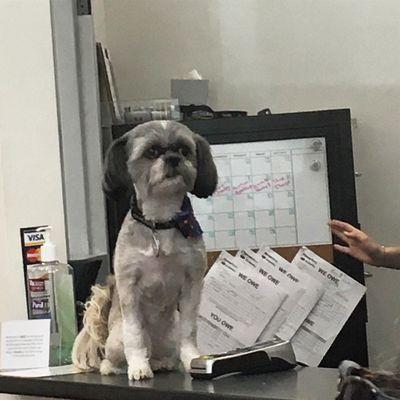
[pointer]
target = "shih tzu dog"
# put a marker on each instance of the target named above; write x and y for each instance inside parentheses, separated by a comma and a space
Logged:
(160, 257)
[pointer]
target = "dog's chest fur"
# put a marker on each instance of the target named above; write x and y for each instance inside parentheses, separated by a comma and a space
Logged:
(159, 278)
(161, 284)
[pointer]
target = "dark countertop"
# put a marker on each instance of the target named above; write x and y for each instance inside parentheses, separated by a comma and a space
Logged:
(301, 383)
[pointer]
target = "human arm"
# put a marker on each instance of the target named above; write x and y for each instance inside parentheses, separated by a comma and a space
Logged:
(363, 247)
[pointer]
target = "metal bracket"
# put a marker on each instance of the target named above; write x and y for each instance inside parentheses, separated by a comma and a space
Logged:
(264, 112)
(83, 7)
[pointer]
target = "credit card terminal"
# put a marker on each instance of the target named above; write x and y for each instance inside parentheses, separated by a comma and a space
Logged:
(269, 356)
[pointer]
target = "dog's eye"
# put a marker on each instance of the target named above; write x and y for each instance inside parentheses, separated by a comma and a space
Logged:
(153, 152)
(185, 151)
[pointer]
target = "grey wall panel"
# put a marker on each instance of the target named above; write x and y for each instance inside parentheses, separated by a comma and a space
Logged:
(80, 130)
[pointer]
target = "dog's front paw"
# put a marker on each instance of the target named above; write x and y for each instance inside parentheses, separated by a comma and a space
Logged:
(166, 363)
(108, 368)
(188, 353)
(139, 369)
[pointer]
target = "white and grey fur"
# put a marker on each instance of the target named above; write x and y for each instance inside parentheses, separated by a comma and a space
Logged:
(133, 320)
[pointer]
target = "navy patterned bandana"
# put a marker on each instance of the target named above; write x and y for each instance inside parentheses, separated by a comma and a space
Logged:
(184, 220)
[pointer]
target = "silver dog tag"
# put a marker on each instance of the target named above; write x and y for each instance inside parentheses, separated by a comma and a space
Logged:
(156, 243)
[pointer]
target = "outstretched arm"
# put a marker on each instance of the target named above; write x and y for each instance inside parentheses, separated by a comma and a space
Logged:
(363, 247)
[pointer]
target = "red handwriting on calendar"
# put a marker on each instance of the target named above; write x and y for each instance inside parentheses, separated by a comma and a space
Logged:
(265, 183)
(223, 188)
(243, 187)
(281, 182)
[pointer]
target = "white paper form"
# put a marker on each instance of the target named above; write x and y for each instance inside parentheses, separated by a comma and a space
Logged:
(272, 267)
(212, 340)
(294, 278)
(270, 274)
(341, 296)
(236, 305)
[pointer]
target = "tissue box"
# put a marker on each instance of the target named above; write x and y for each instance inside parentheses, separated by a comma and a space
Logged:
(190, 91)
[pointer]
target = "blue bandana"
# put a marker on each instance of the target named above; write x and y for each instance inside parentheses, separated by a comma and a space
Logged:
(186, 222)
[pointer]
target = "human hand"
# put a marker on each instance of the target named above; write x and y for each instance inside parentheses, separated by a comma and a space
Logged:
(359, 244)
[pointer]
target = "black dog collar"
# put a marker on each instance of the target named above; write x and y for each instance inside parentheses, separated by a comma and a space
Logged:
(184, 220)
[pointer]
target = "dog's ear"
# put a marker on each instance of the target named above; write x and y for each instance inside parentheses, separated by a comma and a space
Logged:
(116, 180)
(207, 178)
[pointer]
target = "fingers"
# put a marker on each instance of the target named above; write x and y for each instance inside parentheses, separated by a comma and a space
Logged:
(356, 234)
(346, 232)
(342, 249)
(340, 225)
(341, 235)
(348, 251)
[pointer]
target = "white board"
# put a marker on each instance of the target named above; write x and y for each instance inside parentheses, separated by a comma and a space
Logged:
(270, 192)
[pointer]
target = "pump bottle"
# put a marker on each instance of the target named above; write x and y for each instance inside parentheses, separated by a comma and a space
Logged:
(51, 296)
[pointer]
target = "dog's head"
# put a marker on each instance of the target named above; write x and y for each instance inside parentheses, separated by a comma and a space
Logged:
(159, 158)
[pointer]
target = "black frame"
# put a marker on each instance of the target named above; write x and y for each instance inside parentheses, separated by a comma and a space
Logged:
(335, 127)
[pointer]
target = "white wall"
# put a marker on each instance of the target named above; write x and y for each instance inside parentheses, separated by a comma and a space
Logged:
(30, 168)
(288, 55)
(99, 22)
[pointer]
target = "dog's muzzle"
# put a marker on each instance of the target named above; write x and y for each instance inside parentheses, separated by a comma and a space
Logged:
(173, 160)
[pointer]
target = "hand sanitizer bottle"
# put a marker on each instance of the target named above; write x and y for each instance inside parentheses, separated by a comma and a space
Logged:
(51, 296)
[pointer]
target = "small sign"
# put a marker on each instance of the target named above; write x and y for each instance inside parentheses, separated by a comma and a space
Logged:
(31, 242)
(25, 344)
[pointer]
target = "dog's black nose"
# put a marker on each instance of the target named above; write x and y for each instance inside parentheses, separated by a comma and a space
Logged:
(172, 160)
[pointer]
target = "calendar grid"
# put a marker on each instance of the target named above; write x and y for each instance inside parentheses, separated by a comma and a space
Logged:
(255, 201)
(294, 197)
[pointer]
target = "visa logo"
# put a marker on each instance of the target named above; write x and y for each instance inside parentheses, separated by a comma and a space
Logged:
(34, 237)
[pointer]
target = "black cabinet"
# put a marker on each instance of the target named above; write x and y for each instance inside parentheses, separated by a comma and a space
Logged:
(335, 127)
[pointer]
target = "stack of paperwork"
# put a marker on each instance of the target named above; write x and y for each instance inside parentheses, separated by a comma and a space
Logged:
(254, 297)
